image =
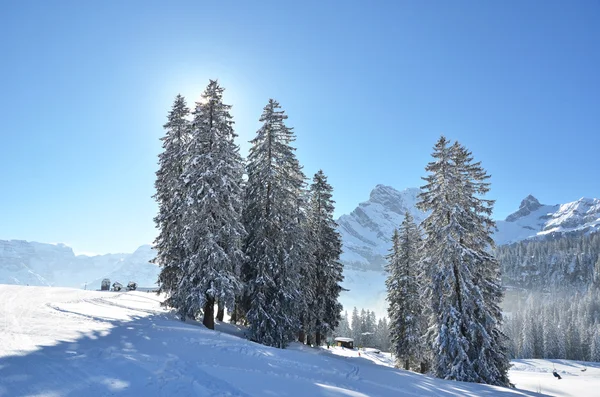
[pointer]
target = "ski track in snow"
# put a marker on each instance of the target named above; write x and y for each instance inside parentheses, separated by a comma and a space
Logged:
(67, 342)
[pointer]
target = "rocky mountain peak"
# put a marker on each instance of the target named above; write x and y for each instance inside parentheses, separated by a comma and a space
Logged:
(394, 200)
(528, 205)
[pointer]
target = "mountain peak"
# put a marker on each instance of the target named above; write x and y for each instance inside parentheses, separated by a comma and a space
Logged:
(528, 205)
(382, 190)
(394, 200)
(530, 202)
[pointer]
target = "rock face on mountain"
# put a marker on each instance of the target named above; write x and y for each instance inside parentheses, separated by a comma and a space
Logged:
(32, 263)
(367, 231)
(528, 205)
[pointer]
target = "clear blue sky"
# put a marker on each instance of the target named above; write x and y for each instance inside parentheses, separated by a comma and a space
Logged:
(85, 87)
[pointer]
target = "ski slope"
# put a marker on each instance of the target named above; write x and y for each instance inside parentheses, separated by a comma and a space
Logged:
(68, 342)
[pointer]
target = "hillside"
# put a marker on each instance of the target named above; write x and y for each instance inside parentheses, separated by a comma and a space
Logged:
(67, 342)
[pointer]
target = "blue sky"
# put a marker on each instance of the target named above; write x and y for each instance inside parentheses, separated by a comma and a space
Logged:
(368, 86)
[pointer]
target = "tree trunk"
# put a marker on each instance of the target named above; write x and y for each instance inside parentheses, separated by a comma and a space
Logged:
(318, 338)
(220, 311)
(209, 314)
(406, 365)
(301, 336)
(233, 317)
(309, 339)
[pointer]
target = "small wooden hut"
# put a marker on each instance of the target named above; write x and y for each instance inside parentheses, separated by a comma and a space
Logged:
(344, 342)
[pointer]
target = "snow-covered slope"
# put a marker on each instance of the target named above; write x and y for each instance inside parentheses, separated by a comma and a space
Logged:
(31, 263)
(67, 342)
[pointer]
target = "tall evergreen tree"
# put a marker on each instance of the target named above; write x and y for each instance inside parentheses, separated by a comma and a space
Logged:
(170, 194)
(464, 278)
(356, 327)
(273, 191)
(343, 329)
(595, 346)
(550, 336)
(403, 294)
(326, 247)
(213, 232)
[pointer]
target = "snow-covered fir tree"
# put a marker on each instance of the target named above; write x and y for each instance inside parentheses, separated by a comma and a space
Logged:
(357, 327)
(366, 330)
(595, 346)
(559, 325)
(405, 309)
(213, 230)
(273, 190)
(382, 335)
(570, 262)
(326, 248)
(170, 194)
(464, 278)
(343, 329)
(550, 335)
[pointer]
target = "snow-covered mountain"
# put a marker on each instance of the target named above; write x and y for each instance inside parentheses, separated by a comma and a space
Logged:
(31, 263)
(535, 220)
(367, 231)
(366, 235)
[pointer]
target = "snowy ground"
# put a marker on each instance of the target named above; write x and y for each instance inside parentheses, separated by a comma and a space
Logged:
(67, 342)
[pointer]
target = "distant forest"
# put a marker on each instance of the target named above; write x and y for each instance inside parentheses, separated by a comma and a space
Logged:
(552, 302)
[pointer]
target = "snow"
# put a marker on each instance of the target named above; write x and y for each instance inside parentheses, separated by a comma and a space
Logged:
(537, 375)
(68, 342)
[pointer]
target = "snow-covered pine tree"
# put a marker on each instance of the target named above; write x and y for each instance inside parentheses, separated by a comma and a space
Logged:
(550, 335)
(356, 327)
(528, 337)
(326, 248)
(343, 329)
(405, 309)
(213, 232)
(170, 250)
(382, 335)
(595, 346)
(370, 327)
(464, 278)
(273, 190)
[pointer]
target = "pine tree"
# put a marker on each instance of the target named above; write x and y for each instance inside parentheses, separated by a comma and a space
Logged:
(528, 337)
(343, 329)
(170, 250)
(550, 335)
(382, 335)
(213, 232)
(356, 327)
(403, 294)
(273, 191)
(326, 247)
(595, 347)
(464, 277)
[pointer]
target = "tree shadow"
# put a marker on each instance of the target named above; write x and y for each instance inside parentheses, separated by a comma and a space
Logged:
(95, 363)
